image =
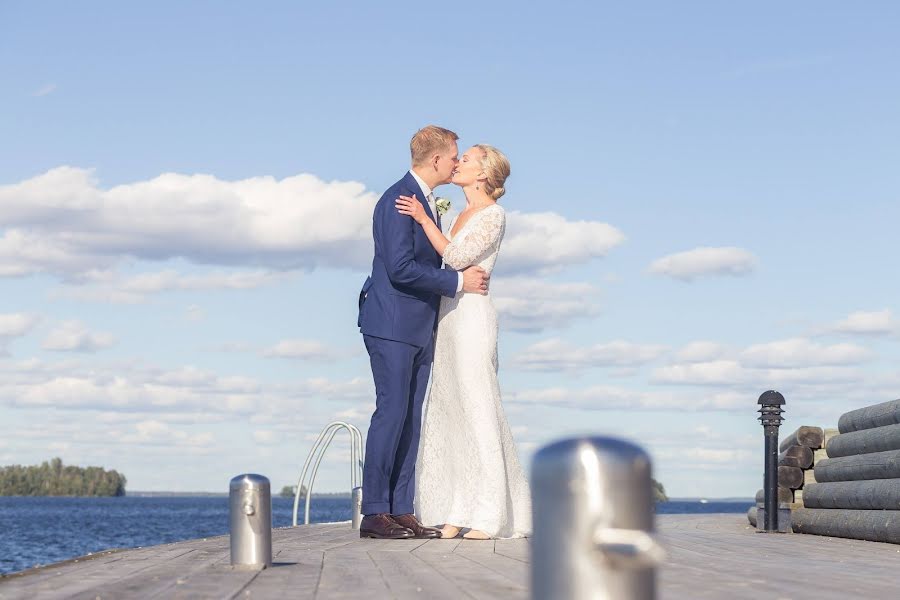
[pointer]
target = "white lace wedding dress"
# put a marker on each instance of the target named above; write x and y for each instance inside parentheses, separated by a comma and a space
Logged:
(468, 471)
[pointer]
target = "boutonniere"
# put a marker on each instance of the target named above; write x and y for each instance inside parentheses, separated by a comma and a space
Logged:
(442, 204)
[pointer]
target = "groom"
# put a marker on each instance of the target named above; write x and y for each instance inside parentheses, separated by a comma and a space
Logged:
(398, 308)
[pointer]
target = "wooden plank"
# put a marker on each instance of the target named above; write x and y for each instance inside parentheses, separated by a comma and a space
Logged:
(478, 581)
(408, 576)
(482, 552)
(173, 577)
(156, 579)
(713, 564)
(292, 575)
(219, 581)
(827, 576)
(514, 548)
(75, 578)
(348, 570)
(819, 455)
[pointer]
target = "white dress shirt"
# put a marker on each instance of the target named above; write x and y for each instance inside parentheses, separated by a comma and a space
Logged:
(429, 197)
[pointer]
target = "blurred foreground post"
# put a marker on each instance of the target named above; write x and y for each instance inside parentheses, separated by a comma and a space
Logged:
(593, 522)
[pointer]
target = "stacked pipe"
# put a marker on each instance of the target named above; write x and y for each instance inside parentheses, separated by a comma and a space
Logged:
(856, 493)
(798, 454)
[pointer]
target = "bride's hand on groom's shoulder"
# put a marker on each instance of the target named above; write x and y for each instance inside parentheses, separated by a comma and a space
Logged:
(410, 206)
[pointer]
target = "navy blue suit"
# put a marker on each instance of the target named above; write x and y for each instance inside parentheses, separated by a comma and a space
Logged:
(398, 308)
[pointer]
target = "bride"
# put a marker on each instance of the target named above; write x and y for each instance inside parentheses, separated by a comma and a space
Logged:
(468, 474)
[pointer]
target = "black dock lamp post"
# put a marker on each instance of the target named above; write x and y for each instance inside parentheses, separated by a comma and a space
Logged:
(770, 417)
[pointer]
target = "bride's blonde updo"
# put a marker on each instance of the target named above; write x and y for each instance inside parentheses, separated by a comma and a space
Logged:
(496, 168)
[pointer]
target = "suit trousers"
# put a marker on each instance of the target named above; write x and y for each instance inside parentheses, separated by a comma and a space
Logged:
(401, 373)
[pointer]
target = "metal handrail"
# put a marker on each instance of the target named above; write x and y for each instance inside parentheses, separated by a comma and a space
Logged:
(318, 450)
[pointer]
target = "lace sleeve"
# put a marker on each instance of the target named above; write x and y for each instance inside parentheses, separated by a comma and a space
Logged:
(484, 233)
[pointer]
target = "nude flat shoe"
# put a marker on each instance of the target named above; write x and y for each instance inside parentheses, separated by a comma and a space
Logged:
(448, 532)
(475, 534)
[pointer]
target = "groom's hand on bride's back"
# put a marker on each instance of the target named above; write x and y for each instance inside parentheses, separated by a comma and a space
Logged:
(475, 281)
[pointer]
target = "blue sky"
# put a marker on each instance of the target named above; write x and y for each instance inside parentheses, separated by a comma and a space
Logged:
(703, 205)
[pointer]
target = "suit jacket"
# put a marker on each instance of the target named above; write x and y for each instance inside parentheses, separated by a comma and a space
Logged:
(400, 299)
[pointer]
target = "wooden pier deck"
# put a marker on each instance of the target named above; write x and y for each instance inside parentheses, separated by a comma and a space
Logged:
(709, 556)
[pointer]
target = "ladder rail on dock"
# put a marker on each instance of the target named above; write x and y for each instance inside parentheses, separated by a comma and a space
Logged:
(318, 451)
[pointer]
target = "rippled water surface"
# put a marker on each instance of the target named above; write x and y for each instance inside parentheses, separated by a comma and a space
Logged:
(44, 530)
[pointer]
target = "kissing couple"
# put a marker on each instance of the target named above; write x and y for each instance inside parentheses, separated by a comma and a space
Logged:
(414, 311)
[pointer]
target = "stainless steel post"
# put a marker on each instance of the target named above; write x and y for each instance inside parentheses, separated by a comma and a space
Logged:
(356, 500)
(250, 506)
(593, 521)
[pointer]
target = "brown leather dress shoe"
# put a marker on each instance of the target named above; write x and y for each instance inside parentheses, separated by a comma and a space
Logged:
(412, 523)
(383, 527)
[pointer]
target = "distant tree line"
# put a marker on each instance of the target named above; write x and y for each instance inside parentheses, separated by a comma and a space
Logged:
(288, 491)
(659, 492)
(53, 479)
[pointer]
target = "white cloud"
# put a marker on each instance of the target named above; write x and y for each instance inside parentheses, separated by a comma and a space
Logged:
(795, 362)
(194, 313)
(705, 262)
(26, 252)
(731, 373)
(557, 355)
(716, 372)
(150, 283)
(73, 336)
(604, 397)
(534, 304)
(800, 352)
(265, 436)
(186, 394)
(44, 90)
(879, 322)
(13, 325)
(356, 388)
(108, 286)
(701, 351)
(156, 432)
(723, 456)
(62, 222)
(300, 349)
(540, 242)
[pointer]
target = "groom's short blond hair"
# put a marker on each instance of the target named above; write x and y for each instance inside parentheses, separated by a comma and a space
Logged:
(428, 141)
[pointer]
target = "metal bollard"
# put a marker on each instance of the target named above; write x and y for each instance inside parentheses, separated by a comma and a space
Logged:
(250, 506)
(770, 416)
(592, 500)
(356, 501)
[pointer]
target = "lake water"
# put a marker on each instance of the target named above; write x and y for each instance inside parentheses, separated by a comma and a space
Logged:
(36, 531)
